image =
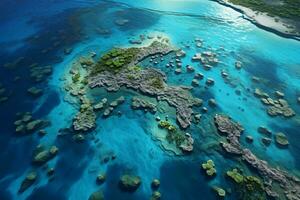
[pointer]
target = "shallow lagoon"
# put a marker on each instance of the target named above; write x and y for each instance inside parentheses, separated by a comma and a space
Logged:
(74, 25)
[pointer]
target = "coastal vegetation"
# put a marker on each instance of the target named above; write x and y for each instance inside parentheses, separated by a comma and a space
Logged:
(114, 60)
(284, 8)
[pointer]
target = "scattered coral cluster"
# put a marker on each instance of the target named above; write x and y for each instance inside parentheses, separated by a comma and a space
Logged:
(275, 107)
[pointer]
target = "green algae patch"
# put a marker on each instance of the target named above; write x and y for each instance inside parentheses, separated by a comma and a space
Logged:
(235, 175)
(174, 135)
(209, 168)
(115, 60)
(220, 191)
(76, 77)
(281, 139)
(248, 187)
(157, 83)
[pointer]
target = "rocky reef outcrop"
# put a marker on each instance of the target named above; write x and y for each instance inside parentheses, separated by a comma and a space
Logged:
(288, 183)
(151, 82)
(43, 155)
(275, 107)
(27, 124)
(138, 103)
(85, 119)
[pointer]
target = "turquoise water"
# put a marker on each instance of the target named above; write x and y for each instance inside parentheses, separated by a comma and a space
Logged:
(35, 26)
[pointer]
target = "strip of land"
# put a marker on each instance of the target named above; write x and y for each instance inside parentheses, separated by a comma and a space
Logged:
(280, 16)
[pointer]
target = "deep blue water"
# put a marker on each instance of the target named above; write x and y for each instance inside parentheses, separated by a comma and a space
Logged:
(39, 32)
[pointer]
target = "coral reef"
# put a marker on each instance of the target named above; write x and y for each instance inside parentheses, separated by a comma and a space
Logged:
(145, 82)
(182, 140)
(248, 187)
(289, 184)
(148, 81)
(275, 107)
(85, 119)
(138, 103)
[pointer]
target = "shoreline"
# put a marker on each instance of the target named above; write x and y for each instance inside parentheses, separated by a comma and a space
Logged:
(263, 21)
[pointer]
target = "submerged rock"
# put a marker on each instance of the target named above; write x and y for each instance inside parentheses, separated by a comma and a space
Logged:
(238, 64)
(281, 139)
(210, 82)
(28, 181)
(79, 138)
(249, 139)
(33, 125)
(50, 171)
(195, 83)
(39, 74)
(34, 91)
(190, 68)
(121, 22)
(265, 131)
(155, 184)
(26, 123)
(101, 104)
(212, 102)
(43, 156)
(178, 71)
(199, 76)
(118, 101)
(107, 111)
(156, 195)
(266, 141)
(101, 178)
(279, 94)
(130, 183)
(187, 144)
(180, 53)
(98, 195)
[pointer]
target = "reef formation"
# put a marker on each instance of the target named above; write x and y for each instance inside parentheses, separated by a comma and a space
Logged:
(290, 184)
(122, 68)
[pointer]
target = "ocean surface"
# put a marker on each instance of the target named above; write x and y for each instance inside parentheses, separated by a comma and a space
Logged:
(36, 31)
